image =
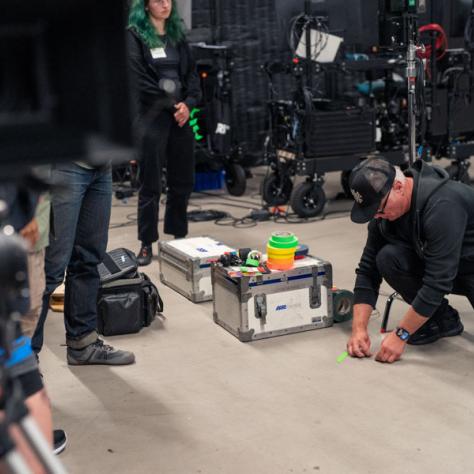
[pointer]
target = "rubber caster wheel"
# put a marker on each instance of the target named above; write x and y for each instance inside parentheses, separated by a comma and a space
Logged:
(308, 199)
(235, 179)
(276, 190)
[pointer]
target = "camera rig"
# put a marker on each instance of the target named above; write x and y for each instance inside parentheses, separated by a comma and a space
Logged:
(401, 100)
(13, 281)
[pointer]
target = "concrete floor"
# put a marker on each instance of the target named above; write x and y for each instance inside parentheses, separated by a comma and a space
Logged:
(200, 401)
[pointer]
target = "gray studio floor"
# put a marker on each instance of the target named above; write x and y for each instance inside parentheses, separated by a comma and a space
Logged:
(200, 401)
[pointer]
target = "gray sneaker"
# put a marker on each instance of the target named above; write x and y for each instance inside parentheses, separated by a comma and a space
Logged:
(99, 353)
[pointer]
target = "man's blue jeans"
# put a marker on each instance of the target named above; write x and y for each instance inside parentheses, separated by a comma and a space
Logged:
(81, 213)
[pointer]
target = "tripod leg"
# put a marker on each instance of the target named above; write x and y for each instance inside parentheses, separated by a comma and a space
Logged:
(16, 464)
(10, 456)
(40, 446)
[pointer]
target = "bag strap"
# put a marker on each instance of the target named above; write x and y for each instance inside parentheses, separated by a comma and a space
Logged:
(108, 261)
(147, 283)
(160, 302)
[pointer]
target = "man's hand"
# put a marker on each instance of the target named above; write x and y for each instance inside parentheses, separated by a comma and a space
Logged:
(359, 344)
(182, 113)
(391, 349)
(31, 232)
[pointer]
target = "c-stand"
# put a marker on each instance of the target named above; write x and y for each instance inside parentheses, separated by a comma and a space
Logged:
(411, 86)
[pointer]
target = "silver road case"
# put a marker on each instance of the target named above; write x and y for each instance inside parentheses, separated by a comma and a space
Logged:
(185, 265)
(281, 302)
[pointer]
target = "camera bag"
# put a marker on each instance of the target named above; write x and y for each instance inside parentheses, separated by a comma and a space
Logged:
(127, 303)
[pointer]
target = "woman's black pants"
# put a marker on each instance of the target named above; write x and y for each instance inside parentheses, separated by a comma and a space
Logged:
(165, 144)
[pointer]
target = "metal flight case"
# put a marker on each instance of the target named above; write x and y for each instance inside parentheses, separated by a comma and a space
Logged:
(274, 304)
(185, 265)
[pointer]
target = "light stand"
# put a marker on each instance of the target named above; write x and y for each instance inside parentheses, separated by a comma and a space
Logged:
(411, 86)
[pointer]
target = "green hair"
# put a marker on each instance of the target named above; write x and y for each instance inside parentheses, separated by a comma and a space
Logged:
(139, 21)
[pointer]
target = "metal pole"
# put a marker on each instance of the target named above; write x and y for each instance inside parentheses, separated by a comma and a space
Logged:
(40, 446)
(16, 464)
(213, 8)
(411, 25)
(411, 78)
(309, 49)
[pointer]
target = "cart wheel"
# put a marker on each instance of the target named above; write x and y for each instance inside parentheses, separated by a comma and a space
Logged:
(276, 190)
(308, 199)
(453, 171)
(345, 175)
(235, 179)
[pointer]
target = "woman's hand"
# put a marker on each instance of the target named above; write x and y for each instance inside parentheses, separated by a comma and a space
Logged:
(182, 113)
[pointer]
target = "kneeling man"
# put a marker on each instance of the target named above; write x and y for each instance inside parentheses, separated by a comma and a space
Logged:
(421, 241)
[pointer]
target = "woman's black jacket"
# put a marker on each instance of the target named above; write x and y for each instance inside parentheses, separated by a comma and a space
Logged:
(149, 97)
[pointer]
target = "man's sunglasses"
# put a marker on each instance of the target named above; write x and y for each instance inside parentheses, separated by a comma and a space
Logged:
(384, 204)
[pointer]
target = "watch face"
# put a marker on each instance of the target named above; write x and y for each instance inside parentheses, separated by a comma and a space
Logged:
(403, 334)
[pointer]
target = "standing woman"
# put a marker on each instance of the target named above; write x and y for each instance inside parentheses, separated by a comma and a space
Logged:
(167, 88)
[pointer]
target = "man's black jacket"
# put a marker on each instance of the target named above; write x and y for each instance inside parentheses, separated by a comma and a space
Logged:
(150, 98)
(439, 227)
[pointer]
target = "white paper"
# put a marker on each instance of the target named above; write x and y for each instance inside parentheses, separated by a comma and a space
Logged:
(323, 43)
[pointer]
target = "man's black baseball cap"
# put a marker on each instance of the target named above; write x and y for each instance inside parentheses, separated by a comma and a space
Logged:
(370, 182)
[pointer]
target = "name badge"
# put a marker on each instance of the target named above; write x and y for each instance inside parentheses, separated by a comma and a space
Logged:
(157, 53)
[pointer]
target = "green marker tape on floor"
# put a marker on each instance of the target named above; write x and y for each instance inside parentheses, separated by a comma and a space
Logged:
(342, 357)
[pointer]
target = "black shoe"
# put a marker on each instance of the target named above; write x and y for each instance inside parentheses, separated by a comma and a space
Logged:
(99, 353)
(427, 334)
(59, 441)
(145, 255)
(448, 324)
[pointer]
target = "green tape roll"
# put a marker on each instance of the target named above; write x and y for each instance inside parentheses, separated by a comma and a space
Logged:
(342, 304)
(283, 240)
(252, 262)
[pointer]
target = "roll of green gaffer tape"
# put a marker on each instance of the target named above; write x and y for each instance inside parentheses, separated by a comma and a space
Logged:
(342, 304)
(283, 240)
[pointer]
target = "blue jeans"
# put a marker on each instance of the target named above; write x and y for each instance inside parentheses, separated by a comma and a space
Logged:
(81, 207)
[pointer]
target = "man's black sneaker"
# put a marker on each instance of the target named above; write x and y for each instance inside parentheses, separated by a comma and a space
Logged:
(450, 323)
(427, 334)
(446, 325)
(99, 353)
(145, 255)
(59, 441)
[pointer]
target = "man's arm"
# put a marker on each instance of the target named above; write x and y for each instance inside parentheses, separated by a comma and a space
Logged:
(359, 342)
(365, 293)
(368, 278)
(392, 346)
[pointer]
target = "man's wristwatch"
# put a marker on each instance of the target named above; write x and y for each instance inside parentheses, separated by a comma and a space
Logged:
(403, 334)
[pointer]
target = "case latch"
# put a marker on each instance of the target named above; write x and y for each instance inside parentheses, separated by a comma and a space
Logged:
(261, 307)
(315, 292)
